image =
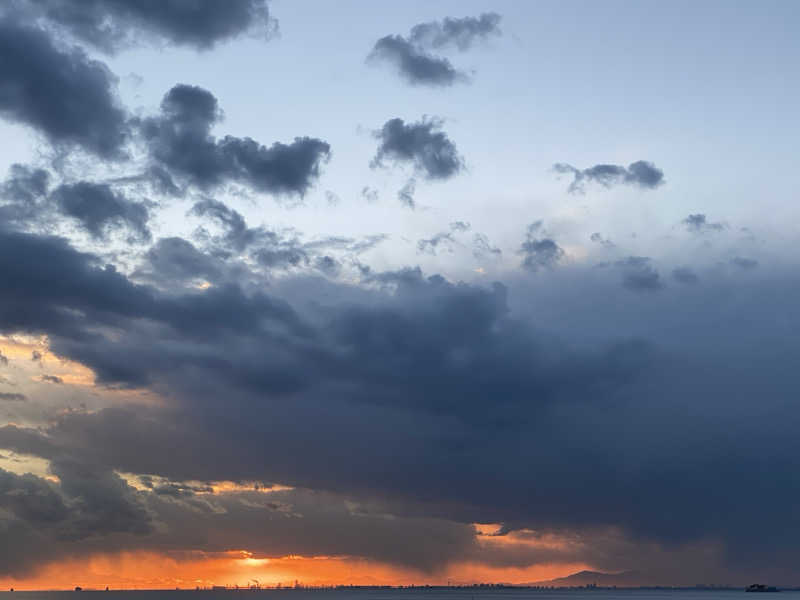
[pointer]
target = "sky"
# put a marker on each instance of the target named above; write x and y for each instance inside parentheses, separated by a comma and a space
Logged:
(392, 293)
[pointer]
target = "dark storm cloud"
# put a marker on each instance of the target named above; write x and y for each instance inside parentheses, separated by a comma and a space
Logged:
(639, 275)
(539, 252)
(421, 144)
(319, 369)
(100, 210)
(42, 518)
(59, 92)
(112, 24)
(412, 59)
(698, 223)
(180, 141)
(641, 173)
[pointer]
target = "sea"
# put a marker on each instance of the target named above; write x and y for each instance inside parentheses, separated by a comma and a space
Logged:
(466, 593)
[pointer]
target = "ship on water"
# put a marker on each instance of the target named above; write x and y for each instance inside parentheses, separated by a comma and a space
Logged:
(760, 587)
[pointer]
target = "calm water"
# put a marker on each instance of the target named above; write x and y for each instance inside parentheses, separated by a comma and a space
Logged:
(406, 594)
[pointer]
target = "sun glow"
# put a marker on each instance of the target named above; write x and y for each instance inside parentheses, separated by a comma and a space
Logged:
(240, 568)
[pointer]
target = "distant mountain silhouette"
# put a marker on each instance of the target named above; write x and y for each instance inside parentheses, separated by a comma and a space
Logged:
(624, 579)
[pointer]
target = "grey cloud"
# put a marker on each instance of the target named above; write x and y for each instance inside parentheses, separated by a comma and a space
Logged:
(97, 208)
(237, 235)
(25, 184)
(328, 265)
(406, 193)
(414, 64)
(598, 238)
(12, 397)
(3, 359)
(351, 245)
(61, 93)
(458, 32)
(433, 244)
(369, 194)
(282, 255)
(698, 223)
(421, 144)
(180, 141)
(744, 262)
(113, 24)
(51, 379)
(685, 275)
(481, 247)
(413, 61)
(460, 226)
(268, 248)
(539, 252)
(639, 275)
(100, 210)
(332, 198)
(160, 181)
(641, 173)
(175, 260)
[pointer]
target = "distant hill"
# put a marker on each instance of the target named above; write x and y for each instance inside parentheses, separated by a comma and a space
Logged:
(624, 579)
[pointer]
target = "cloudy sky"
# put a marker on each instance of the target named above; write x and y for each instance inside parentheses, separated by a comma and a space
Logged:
(414, 292)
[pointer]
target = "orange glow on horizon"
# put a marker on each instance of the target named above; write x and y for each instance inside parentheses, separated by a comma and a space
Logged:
(148, 570)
